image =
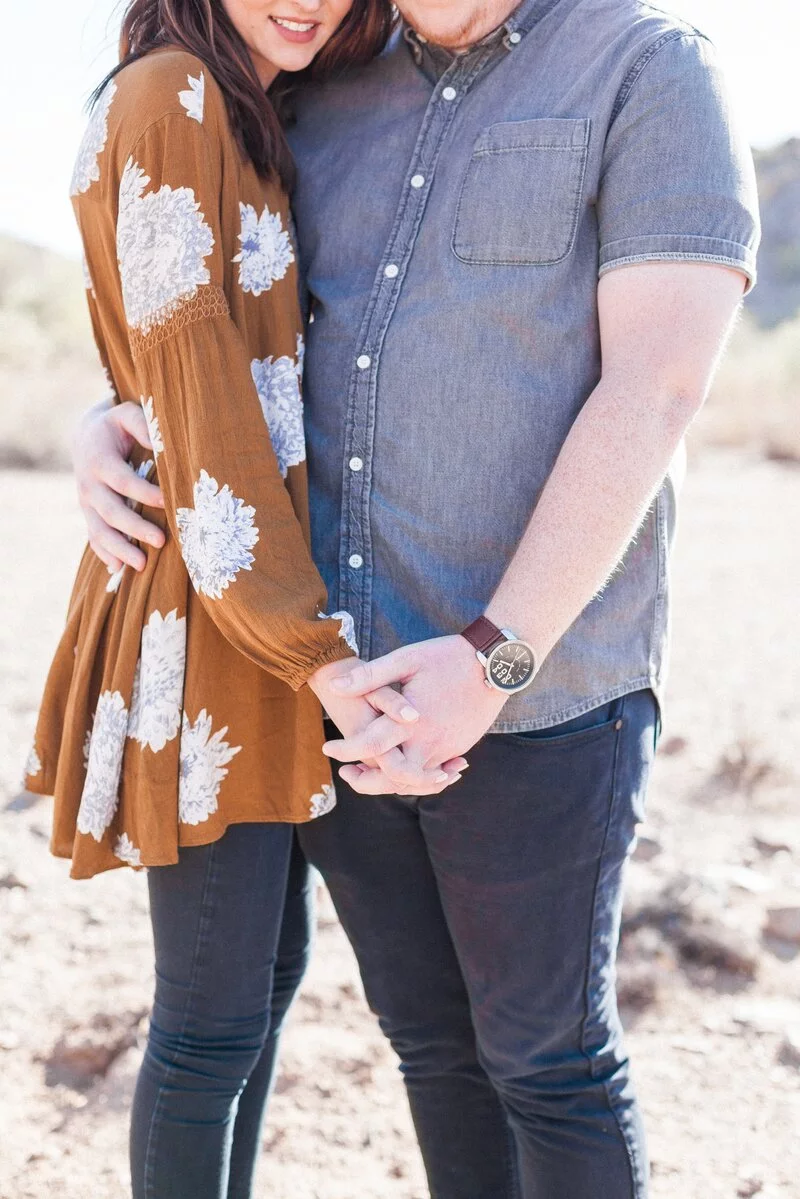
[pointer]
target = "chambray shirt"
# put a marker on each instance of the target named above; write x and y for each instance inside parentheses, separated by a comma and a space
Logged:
(454, 214)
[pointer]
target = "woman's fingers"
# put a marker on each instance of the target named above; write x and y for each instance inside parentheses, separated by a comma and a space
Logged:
(416, 779)
(393, 703)
(111, 508)
(378, 738)
(111, 546)
(375, 782)
(455, 765)
(130, 418)
(120, 476)
(109, 561)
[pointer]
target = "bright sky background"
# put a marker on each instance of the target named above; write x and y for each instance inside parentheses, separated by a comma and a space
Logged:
(55, 51)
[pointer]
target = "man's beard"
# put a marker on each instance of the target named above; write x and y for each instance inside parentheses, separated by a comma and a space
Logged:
(479, 26)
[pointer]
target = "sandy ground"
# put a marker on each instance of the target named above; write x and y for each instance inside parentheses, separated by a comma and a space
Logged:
(712, 1002)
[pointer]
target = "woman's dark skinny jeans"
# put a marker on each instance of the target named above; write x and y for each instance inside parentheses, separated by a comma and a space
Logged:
(231, 925)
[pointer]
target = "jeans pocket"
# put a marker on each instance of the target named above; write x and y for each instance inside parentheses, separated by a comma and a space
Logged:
(521, 195)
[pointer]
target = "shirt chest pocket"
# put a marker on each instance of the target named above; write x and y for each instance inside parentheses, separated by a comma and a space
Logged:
(521, 195)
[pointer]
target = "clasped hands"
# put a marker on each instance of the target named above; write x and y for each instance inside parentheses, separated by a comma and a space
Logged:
(412, 741)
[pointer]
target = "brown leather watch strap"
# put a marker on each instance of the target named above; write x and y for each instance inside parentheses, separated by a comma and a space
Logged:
(483, 635)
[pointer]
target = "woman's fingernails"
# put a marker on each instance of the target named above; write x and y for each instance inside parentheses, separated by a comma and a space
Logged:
(409, 713)
(442, 776)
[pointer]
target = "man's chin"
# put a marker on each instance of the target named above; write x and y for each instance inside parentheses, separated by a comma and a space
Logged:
(443, 33)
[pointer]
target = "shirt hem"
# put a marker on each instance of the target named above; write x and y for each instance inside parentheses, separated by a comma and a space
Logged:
(682, 248)
(562, 715)
(82, 872)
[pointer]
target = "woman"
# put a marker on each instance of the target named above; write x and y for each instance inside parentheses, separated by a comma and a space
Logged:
(177, 731)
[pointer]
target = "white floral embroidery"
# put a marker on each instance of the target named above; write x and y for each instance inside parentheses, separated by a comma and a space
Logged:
(347, 629)
(266, 251)
(153, 427)
(162, 243)
(87, 745)
(87, 170)
(278, 387)
(158, 683)
(87, 277)
(33, 764)
(100, 790)
(192, 99)
(112, 586)
(216, 536)
(203, 762)
(126, 851)
(323, 802)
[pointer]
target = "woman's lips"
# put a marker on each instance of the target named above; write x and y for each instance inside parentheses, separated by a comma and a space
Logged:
(300, 33)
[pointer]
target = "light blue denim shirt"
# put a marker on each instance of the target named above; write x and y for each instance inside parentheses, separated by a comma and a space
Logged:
(454, 214)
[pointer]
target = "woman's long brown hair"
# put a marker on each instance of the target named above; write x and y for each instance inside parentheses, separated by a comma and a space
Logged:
(203, 28)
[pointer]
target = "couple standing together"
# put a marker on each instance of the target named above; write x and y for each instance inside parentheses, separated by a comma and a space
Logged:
(522, 234)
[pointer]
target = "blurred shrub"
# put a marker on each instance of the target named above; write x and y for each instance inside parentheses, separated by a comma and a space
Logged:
(49, 370)
(755, 401)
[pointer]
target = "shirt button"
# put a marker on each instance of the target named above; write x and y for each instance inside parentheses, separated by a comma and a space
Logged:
(363, 362)
(356, 464)
(392, 271)
(356, 561)
(515, 38)
(449, 93)
(417, 181)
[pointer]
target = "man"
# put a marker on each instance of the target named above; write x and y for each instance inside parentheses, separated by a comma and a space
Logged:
(526, 230)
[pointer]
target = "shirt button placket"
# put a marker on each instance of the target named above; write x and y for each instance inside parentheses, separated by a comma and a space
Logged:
(367, 362)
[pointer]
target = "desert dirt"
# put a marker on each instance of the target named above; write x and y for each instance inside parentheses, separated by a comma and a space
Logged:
(711, 992)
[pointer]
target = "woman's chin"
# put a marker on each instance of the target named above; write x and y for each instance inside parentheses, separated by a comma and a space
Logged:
(284, 56)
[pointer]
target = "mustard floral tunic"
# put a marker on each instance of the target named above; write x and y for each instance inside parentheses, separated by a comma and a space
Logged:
(176, 704)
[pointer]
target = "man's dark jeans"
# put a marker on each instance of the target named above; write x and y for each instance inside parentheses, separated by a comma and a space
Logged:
(485, 922)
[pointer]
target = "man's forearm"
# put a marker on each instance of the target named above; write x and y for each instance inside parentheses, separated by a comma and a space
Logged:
(609, 469)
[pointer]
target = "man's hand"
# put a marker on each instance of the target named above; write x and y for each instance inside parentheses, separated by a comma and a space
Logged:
(382, 721)
(101, 447)
(445, 683)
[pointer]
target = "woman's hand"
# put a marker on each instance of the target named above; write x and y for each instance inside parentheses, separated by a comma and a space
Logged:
(386, 719)
(101, 447)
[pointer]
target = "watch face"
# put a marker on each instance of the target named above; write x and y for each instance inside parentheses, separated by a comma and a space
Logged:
(511, 666)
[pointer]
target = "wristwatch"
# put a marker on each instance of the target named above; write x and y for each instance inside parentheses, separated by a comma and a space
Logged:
(509, 663)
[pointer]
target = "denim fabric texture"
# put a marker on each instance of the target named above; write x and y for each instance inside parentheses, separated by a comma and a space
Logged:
(454, 215)
(485, 921)
(232, 927)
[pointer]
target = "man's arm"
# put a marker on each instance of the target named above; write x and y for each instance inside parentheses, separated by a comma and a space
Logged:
(663, 327)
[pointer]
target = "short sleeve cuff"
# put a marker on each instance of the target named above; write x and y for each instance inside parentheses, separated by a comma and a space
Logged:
(680, 247)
